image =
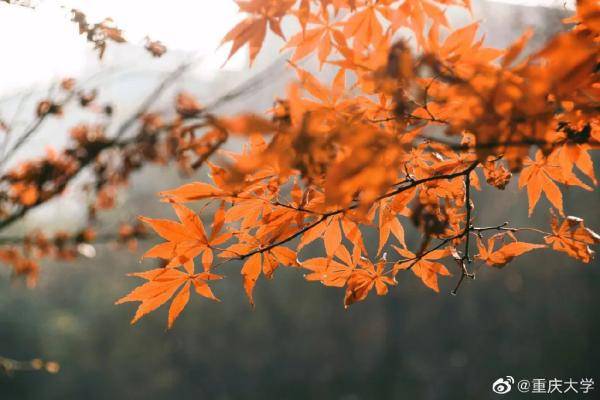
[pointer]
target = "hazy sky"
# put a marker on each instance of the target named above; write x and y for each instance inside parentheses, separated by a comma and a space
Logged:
(38, 46)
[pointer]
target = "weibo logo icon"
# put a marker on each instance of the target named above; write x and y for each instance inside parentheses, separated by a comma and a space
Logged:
(503, 385)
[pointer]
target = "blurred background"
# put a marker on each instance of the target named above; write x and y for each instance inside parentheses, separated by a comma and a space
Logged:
(535, 318)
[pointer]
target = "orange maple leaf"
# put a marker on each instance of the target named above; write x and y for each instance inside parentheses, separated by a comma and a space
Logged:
(162, 285)
(265, 262)
(506, 253)
(573, 238)
(540, 176)
(363, 280)
(185, 240)
(424, 267)
(253, 29)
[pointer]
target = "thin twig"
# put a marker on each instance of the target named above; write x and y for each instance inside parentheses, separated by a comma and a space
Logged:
(153, 97)
(466, 257)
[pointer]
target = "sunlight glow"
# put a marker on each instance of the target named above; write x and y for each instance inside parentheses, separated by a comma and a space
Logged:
(55, 50)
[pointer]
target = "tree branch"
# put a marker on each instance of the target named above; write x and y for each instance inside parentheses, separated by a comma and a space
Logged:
(466, 258)
(115, 143)
(327, 215)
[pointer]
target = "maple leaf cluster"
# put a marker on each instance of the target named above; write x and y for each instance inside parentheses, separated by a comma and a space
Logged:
(415, 113)
(414, 116)
(97, 164)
